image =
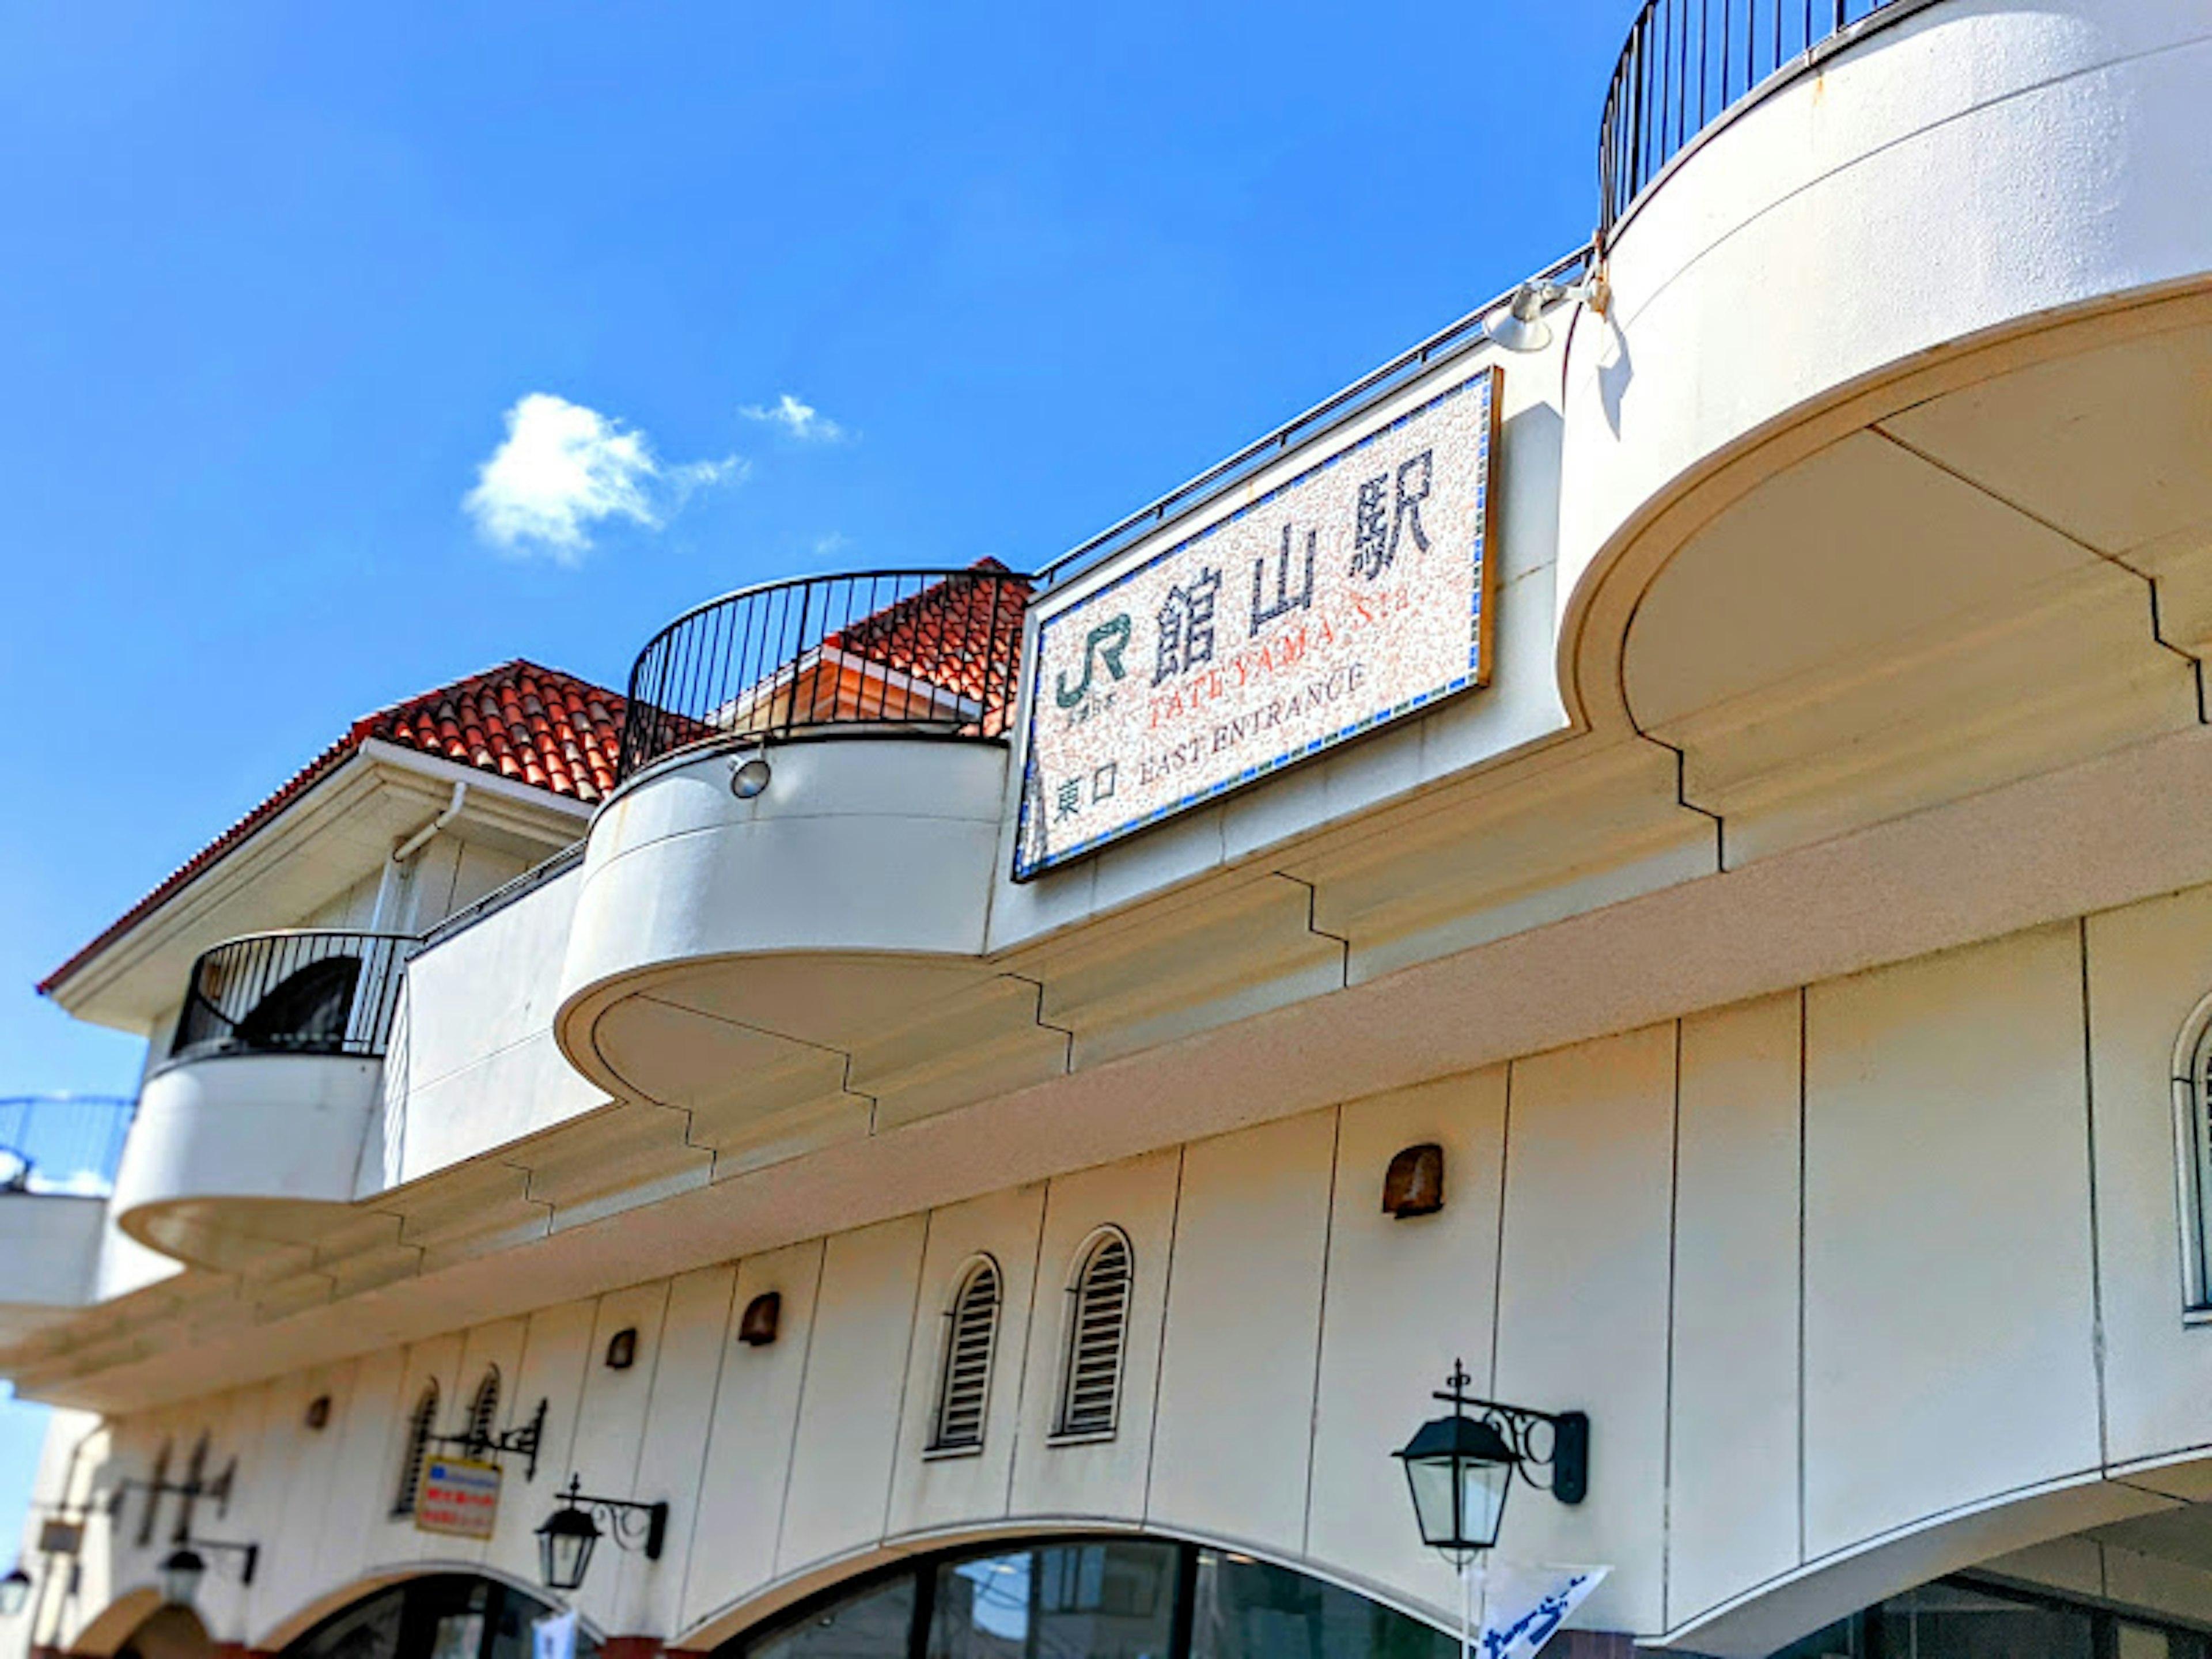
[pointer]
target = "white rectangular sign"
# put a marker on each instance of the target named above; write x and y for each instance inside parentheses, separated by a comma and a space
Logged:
(458, 1497)
(1355, 593)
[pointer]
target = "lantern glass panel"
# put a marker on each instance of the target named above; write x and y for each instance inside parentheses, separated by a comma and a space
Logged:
(14, 1592)
(1432, 1483)
(565, 1555)
(180, 1574)
(1482, 1501)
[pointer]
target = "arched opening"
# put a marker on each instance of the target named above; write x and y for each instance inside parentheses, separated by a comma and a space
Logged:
(170, 1632)
(1090, 1598)
(447, 1615)
(137, 1625)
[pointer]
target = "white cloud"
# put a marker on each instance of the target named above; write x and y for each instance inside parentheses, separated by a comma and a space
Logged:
(831, 544)
(802, 421)
(564, 469)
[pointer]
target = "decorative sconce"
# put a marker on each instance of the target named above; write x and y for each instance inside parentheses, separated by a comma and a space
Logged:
(757, 1329)
(183, 1568)
(622, 1349)
(572, 1532)
(1415, 1182)
(318, 1412)
(15, 1591)
(1460, 1468)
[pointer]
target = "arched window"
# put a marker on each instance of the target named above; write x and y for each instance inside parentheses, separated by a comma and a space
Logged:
(1097, 1329)
(483, 1410)
(2192, 1130)
(420, 1425)
(963, 1383)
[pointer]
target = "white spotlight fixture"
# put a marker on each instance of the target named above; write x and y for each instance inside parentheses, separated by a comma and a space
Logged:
(749, 776)
(1519, 324)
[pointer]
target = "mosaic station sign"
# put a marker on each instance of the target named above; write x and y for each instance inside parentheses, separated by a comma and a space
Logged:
(1354, 594)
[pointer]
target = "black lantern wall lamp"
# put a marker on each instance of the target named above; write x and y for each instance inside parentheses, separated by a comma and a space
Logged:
(184, 1567)
(15, 1591)
(1460, 1468)
(572, 1532)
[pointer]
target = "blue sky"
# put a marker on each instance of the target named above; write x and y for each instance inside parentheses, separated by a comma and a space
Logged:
(282, 280)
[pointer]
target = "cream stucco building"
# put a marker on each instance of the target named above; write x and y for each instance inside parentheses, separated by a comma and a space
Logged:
(1717, 750)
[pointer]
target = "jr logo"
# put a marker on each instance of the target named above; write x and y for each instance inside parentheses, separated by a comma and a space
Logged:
(1105, 643)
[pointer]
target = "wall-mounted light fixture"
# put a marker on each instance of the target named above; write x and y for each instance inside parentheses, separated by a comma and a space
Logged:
(184, 1567)
(1414, 1184)
(757, 1328)
(750, 774)
(318, 1412)
(622, 1349)
(572, 1532)
(1460, 1468)
(1519, 324)
(15, 1591)
(180, 1573)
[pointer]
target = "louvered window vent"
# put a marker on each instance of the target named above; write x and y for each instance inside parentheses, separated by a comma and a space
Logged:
(1098, 1325)
(963, 1389)
(420, 1426)
(483, 1410)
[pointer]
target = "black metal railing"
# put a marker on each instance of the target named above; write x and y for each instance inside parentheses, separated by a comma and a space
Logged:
(937, 651)
(1687, 64)
(65, 1144)
(294, 994)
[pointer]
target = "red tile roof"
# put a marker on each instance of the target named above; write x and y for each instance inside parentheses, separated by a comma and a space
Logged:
(963, 632)
(536, 725)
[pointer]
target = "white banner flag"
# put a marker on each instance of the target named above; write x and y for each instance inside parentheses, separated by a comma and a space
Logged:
(1522, 1606)
(555, 1636)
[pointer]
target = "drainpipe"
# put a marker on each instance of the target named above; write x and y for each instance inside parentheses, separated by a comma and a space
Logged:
(47, 1577)
(399, 869)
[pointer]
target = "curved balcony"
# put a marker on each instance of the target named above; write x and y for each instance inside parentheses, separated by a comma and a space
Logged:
(300, 992)
(909, 653)
(1868, 503)
(58, 1159)
(1689, 65)
(803, 846)
(268, 1091)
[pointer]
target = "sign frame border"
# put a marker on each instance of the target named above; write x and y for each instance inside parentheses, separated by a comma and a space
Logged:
(1492, 378)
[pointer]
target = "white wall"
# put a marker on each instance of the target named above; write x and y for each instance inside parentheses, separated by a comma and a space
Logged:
(473, 1064)
(1823, 1268)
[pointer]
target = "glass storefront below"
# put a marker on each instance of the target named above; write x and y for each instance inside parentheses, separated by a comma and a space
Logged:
(1957, 1618)
(440, 1616)
(1095, 1599)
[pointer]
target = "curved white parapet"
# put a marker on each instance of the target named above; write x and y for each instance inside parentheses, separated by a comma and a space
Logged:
(1959, 167)
(881, 849)
(52, 1245)
(237, 1127)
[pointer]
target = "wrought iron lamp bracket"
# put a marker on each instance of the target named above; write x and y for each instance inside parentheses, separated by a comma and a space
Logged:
(522, 1443)
(1557, 1443)
(159, 1486)
(249, 1554)
(640, 1527)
